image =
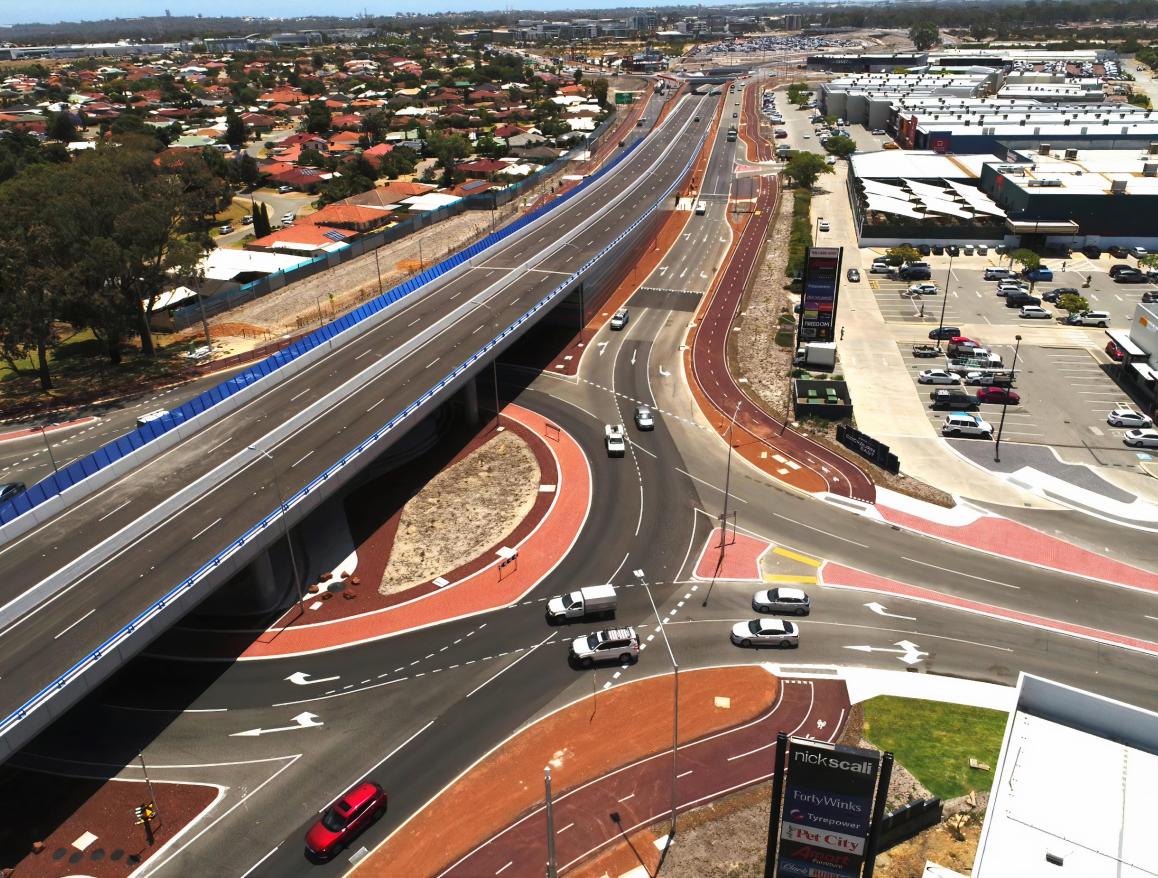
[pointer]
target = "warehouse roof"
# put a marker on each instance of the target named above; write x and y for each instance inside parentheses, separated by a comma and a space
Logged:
(918, 165)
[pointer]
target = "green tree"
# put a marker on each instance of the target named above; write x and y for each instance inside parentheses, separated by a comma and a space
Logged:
(598, 87)
(805, 168)
(490, 148)
(311, 157)
(924, 35)
(448, 149)
(1027, 259)
(62, 127)
(978, 30)
(1073, 303)
(318, 118)
(901, 254)
(261, 226)
(235, 132)
(840, 146)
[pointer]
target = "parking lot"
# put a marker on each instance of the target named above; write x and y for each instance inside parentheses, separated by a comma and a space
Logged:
(1066, 393)
(972, 299)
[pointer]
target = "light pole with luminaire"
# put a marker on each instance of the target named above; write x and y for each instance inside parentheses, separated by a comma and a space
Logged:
(728, 481)
(944, 300)
(1005, 403)
(48, 445)
(675, 728)
(284, 524)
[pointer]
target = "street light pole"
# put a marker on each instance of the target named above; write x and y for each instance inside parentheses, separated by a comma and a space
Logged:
(675, 725)
(285, 525)
(552, 870)
(378, 268)
(1005, 403)
(944, 300)
(48, 445)
(727, 481)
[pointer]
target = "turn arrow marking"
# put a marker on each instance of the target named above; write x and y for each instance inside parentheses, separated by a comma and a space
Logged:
(303, 679)
(301, 721)
(909, 652)
(879, 609)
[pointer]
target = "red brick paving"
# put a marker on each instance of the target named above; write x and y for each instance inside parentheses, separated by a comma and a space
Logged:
(737, 561)
(838, 576)
(1009, 539)
(100, 806)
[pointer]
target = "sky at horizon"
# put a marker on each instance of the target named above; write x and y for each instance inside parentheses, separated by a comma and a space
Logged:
(52, 11)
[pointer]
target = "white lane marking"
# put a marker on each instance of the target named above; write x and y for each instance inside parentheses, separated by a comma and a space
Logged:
(214, 448)
(204, 529)
(713, 487)
(432, 362)
(625, 798)
(489, 680)
(818, 530)
(74, 624)
(375, 405)
(959, 573)
(504, 868)
(565, 828)
(364, 354)
(303, 457)
(114, 511)
(302, 393)
(683, 774)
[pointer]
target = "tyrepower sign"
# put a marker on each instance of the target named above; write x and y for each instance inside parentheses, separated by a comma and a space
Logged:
(827, 812)
(818, 304)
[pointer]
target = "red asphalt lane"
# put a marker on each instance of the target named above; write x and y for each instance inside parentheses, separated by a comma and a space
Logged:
(51, 428)
(1010, 539)
(737, 561)
(640, 793)
(832, 575)
(709, 351)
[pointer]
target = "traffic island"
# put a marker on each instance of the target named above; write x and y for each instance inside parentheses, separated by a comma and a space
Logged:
(612, 771)
(89, 826)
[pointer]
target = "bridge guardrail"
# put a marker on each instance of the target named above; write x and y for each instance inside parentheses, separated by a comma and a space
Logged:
(170, 597)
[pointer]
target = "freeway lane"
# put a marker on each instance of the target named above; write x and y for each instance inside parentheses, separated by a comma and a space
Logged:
(198, 529)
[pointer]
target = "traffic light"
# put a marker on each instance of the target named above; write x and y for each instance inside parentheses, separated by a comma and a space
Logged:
(145, 812)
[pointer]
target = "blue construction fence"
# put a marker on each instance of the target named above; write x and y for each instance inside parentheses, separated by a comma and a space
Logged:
(214, 563)
(105, 456)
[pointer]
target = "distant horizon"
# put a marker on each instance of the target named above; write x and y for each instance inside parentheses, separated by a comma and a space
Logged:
(51, 12)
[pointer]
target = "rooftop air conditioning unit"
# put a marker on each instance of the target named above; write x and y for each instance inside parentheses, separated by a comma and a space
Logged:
(1071, 153)
(1043, 149)
(1153, 150)
(1117, 187)
(1150, 169)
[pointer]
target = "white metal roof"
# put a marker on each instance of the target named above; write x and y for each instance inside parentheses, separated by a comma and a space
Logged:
(896, 164)
(884, 204)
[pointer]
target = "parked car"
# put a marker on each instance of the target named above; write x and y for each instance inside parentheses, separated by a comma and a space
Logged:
(924, 249)
(922, 289)
(989, 378)
(823, 225)
(782, 600)
(945, 332)
(959, 345)
(11, 489)
(982, 249)
(1057, 292)
(225, 229)
(995, 273)
(914, 272)
(1114, 352)
(942, 398)
(1034, 312)
(348, 816)
(1124, 416)
(998, 395)
(287, 219)
(966, 424)
(937, 376)
(1131, 277)
(1150, 296)
(766, 632)
(1039, 274)
(247, 220)
(1092, 251)
(880, 266)
(1020, 300)
(284, 189)
(1118, 252)
(1115, 270)
(1141, 438)
(938, 250)
(610, 645)
(1138, 252)
(952, 250)
(1089, 318)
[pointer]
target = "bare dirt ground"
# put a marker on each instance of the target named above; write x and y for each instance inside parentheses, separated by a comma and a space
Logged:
(755, 356)
(462, 512)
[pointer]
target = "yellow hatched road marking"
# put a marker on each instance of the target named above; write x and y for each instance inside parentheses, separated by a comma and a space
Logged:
(785, 579)
(796, 556)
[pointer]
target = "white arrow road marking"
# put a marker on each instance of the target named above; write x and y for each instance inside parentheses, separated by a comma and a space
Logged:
(303, 679)
(633, 353)
(879, 609)
(602, 347)
(909, 652)
(664, 372)
(301, 721)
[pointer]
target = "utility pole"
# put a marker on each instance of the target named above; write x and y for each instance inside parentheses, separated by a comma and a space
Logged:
(552, 870)
(378, 268)
(727, 482)
(48, 445)
(1005, 403)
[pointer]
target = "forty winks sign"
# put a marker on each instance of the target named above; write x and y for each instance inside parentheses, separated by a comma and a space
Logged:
(827, 812)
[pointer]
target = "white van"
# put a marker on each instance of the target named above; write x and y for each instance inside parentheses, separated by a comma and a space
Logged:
(701, 208)
(1095, 318)
(151, 416)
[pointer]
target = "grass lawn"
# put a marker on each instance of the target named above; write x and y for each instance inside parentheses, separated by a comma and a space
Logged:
(935, 741)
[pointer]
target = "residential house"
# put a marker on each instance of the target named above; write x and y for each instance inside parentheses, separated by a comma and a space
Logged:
(352, 217)
(306, 239)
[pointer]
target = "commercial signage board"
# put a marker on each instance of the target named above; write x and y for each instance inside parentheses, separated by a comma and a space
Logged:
(821, 285)
(827, 811)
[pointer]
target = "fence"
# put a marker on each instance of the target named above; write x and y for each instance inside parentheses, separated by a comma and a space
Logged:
(174, 595)
(190, 315)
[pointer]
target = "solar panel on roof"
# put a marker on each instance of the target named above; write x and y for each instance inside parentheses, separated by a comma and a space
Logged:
(334, 236)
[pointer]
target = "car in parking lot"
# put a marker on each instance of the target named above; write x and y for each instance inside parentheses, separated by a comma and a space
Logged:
(1118, 252)
(1138, 252)
(959, 345)
(1115, 270)
(287, 219)
(922, 289)
(880, 266)
(937, 376)
(944, 332)
(1088, 318)
(284, 189)
(998, 395)
(1114, 352)
(924, 249)
(644, 419)
(766, 632)
(1150, 296)
(822, 225)
(1131, 277)
(1034, 312)
(1038, 274)
(1124, 416)
(1141, 438)
(952, 250)
(989, 378)
(994, 273)
(349, 815)
(782, 600)
(1092, 251)
(1020, 300)
(1057, 292)
(878, 131)
(1005, 287)
(966, 424)
(943, 398)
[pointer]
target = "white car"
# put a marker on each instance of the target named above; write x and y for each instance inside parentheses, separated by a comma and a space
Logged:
(1034, 312)
(1141, 438)
(923, 290)
(782, 600)
(287, 219)
(766, 632)
(937, 376)
(823, 225)
(1124, 416)
(966, 424)
(879, 266)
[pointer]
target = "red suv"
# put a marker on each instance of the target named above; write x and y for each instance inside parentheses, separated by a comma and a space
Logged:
(343, 820)
(998, 395)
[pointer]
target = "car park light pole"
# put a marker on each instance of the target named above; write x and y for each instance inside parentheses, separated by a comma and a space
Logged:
(1005, 401)
(944, 301)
